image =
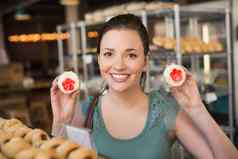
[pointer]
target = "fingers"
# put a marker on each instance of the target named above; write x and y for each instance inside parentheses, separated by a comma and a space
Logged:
(54, 87)
(74, 94)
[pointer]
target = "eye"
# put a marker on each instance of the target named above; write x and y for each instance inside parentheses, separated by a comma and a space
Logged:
(107, 54)
(132, 56)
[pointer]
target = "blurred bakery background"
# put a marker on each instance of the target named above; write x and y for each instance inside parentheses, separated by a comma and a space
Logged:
(39, 39)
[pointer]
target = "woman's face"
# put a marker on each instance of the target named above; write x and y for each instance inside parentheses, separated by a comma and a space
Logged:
(121, 59)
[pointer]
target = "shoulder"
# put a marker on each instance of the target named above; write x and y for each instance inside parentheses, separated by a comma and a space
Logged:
(167, 105)
(162, 96)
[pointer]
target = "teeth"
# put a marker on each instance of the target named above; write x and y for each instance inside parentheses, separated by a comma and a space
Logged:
(119, 77)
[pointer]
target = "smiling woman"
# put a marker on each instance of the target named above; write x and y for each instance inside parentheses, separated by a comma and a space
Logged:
(125, 118)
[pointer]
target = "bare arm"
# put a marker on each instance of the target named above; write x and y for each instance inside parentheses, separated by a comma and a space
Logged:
(58, 128)
(189, 100)
(66, 110)
(218, 141)
(191, 138)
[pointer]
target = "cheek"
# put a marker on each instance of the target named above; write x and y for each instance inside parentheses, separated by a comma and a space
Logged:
(136, 68)
(104, 68)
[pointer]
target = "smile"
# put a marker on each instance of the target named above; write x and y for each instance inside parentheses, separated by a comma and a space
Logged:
(119, 77)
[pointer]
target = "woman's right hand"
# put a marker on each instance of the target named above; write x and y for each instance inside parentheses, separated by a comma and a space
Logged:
(63, 105)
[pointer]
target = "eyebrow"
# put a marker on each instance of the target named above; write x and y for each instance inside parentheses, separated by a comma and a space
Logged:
(108, 49)
(130, 50)
(127, 50)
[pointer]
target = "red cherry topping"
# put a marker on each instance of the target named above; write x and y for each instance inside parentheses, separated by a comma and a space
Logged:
(68, 84)
(176, 74)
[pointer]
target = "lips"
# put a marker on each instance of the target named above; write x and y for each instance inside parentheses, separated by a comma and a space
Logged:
(119, 77)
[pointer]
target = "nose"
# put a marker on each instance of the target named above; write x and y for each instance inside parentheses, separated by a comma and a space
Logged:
(119, 64)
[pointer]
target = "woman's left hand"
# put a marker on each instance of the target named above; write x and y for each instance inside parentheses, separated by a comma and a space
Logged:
(187, 95)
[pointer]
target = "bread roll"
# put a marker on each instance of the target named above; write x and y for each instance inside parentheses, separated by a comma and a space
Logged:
(13, 128)
(210, 48)
(11, 122)
(65, 148)
(159, 41)
(39, 137)
(2, 156)
(204, 48)
(52, 144)
(2, 122)
(22, 132)
(158, 5)
(187, 47)
(36, 137)
(135, 6)
(197, 48)
(47, 154)
(15, 145)
(83, 153)
(217, 46)
(27, 153)
(169, 43)
(5, 137)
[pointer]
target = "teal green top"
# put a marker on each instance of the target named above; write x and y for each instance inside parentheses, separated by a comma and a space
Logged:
(152, 143)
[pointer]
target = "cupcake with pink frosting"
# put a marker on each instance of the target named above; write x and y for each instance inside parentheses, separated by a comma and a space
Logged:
(68, 82)
(174, 75)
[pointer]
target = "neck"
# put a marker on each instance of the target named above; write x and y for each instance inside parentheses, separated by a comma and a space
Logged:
(127, 98)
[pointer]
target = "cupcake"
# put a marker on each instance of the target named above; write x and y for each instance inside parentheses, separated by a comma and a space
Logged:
(174, 75)
(68, 82)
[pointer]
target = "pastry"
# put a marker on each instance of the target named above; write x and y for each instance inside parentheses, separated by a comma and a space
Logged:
(2, 156)
(22, 132)
(159, 41)
(88, 17)
(39, 137)
(47, 154)
(5, 137)
(174, 75)
(210, 47)
(15, 145)
(98, 16)
(169, 43)
(197, 48)
(68, 82)
(135, 6)
(36, 137)
(187, 47)
(204, 47)
(114, 10)
(52, 144)
(11, 122)
(27, 153)
(158, 5)
(83, 153)
(2, 122)
(65, 148)
(13, 128)
(216, 46)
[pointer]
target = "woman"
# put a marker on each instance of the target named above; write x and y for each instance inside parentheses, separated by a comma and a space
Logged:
(128, 123)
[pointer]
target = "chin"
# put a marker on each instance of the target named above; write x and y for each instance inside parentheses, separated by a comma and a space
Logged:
(121, 87)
